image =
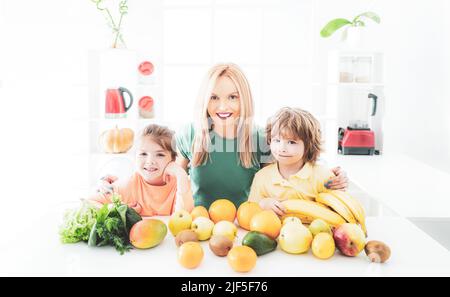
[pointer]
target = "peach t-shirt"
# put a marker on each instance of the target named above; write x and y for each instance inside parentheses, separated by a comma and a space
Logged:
(146, 199)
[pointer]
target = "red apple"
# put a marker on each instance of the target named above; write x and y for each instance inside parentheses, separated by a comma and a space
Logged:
(349, 239)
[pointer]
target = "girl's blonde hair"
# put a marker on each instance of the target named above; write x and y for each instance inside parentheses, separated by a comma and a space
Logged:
(202, 140)
(163, 136)
(298, 123)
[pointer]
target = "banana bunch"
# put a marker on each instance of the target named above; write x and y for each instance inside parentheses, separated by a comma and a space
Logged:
(345, 205)
(307, 211)
(334, 207)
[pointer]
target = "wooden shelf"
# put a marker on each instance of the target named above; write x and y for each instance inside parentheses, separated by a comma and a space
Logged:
(349, 85)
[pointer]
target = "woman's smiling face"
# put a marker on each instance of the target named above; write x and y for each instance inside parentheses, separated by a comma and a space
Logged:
(224, 104)
(151, 160)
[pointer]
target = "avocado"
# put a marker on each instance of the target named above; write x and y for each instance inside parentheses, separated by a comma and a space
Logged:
(259, 242)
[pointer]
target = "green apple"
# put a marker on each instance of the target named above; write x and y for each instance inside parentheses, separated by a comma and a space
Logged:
(179, 221)
(318, 226)
(295, 238)
(203, 227)
(225, 228)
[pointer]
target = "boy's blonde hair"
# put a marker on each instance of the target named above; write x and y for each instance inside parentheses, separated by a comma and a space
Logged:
(300, 124)
(202, 140)
(161, 135)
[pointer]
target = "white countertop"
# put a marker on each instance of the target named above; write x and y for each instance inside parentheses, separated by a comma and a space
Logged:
(41, 254)
(407, 186)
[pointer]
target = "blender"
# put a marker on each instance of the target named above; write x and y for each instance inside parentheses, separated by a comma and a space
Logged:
(358, 138)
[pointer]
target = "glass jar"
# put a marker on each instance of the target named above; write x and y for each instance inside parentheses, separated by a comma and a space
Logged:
(363, 69)
(346, 69)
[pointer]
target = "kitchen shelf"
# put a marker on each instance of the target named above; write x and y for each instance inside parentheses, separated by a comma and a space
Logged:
(346, 96)
(348, 85)
(113, 69)
(118, 121)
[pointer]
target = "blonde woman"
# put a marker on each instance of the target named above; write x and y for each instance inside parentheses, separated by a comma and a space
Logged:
(223, 149)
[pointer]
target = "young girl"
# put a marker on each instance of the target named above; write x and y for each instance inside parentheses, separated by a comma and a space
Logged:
(159, 186)
(223, 148)
(295, 141)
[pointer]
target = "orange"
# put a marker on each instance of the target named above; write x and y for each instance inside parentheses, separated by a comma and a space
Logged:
(222, 210)
(242, 258)
(199, 211)
(190, 254)
(266, 222)
(246, 212)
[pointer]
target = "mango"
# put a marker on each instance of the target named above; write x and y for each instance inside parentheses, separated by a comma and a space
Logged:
(148, 233)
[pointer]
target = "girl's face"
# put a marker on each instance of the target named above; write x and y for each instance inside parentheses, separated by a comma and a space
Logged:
(224, 104)
(151, 160)
(287, 150)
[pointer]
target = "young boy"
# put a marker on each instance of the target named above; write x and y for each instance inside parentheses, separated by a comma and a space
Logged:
(295, 142)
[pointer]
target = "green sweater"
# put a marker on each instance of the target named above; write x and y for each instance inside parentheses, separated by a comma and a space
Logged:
(221, 176)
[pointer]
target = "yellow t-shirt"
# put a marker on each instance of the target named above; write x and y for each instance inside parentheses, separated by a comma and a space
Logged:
(305, 184)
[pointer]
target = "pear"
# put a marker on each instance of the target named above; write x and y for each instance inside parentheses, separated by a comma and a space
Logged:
(220, 245)
(186, 236)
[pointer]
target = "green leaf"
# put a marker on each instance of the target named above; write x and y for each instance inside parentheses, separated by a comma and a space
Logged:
(103, 213)
(93, 236)
(122, 210)
(371, 15)
(333, 26)
(78, 223)
(359, 23)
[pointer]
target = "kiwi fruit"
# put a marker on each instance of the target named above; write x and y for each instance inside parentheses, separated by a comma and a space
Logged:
(185, 236)
(220, 245)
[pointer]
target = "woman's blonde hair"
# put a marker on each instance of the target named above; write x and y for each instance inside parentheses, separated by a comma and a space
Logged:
(202, 140)
(163, 136)
(298, 123)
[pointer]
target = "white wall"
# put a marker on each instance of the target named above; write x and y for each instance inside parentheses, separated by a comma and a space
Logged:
(415, 37)
(446, 98)
(416, 52)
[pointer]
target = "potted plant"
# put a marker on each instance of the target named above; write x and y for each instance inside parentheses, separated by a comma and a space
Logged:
(352, 29)
(118, 41)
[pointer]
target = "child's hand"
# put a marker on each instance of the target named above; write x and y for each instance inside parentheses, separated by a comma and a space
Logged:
(274, 205)
(173, 170)
(136, 206)
(105, 185)
(339, 182)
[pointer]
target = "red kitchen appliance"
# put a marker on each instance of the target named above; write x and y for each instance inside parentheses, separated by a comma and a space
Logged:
(115, 106)
(358, 138)
(356, 141)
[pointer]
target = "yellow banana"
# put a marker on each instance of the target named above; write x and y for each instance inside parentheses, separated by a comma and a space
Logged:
(337, 205)
(305, 219)
(314, 210)
(354, 206)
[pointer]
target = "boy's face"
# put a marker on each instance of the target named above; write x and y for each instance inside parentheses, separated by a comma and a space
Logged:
(287, 149)
(151, 160)
(224, 104)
